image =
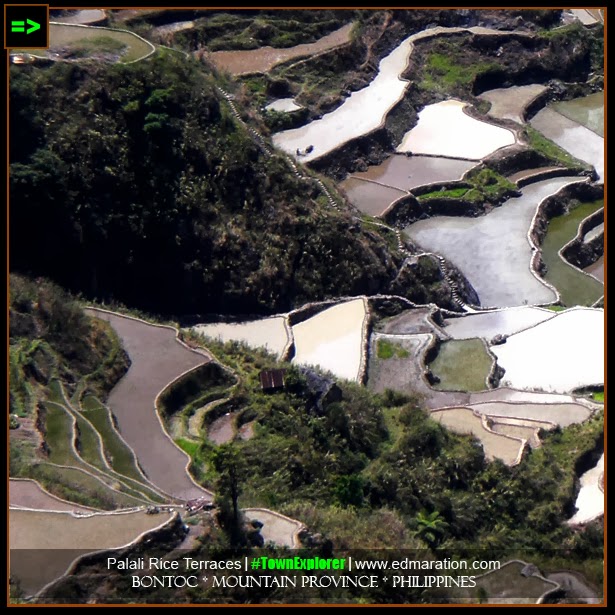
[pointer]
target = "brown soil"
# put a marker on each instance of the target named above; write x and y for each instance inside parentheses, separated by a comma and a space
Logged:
(264, 59)
(29, 494)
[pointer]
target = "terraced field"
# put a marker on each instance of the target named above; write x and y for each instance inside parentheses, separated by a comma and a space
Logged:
(462, 365)
(43, 544)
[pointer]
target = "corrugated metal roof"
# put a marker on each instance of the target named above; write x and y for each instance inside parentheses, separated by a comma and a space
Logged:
(272, 378)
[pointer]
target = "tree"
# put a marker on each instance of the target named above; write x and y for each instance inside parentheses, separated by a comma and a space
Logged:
(229, 468)
(431, 527)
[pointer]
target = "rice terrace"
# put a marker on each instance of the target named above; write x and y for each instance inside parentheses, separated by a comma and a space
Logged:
(317, 285)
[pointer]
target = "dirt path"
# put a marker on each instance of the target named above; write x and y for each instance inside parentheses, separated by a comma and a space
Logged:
(157, 359)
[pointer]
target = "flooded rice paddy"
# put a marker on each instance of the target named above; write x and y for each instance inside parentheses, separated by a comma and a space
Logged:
(83, 17)
(558, 355)
(73, 35)
(510, 103)
(579, 141)
(269, 333)
(575, 287)
(493, 251)
(444, 129)
(562, 414)
(587, 111)
(29, 494)
(595, 232)
(44, 544)
(283, 105)
(157, 358)
(397, 175)
(370, 198)
(265, 58)
(333, 339)
(464, 421)
(489, 324)
(364, 110)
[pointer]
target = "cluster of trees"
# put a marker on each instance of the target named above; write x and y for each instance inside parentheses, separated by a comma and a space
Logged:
(134, 183)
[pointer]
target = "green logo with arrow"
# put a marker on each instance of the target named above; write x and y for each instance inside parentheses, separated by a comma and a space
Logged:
(20, 26)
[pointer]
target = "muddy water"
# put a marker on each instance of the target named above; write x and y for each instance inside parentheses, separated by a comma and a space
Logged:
(264, 59)
(489, 324)
(221, 430)
(370, 198)
(587, 111)
(510, 103)
(520, 175)
(406, 173)
(590, 501)
(581, 142)
(333, 339)
(559, 355)
(493, 251)
(597, 269)
(269, 333)
(283, 105)
(444, 129)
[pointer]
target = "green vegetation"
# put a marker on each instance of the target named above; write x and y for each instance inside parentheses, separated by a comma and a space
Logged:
(549, 149)
(212, 222)
(486, 186)
(387, 350)
(444, 72)
(119, 455)
(462, 365)
(575, 287)
(599, 396)
(556, 308)
(221, 30)
(101, 44)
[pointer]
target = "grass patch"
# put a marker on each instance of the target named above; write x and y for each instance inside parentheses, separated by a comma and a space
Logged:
(462, 365)
(598, 396)
(575, 287)
(388, 350)
(545, 146)
(188, 446)
(556, 308)
(455, 193)
(442, 73)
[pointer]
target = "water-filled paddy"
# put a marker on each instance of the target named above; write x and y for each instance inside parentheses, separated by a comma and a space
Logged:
(221, 430)
(83, 17)
(408, 172)
(575, 287)
(29, 494)
(157, 358)
(444, 129)
(562, 414)
(590, 501)
(67, 35)
(493, 251)
(561, 354)
(269, 333)
(265, 58)
(333, 339)
(587, 111)
(489, 324)
(370, 198)
(283, 105)
(510, 103)
(508, 586)
(462, 365)
(463, 420)
(43, 544)
(579, 141)
(364, 110)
